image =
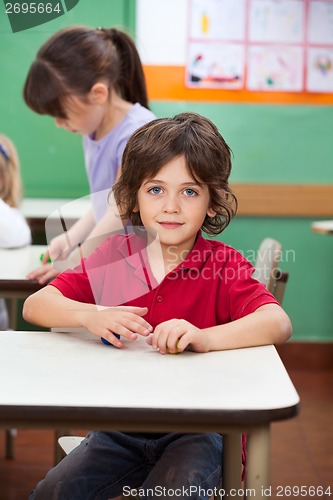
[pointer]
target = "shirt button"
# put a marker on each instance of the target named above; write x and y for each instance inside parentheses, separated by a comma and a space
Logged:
(159, 298)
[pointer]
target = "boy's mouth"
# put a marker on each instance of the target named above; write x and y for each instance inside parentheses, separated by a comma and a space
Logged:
(170, 224)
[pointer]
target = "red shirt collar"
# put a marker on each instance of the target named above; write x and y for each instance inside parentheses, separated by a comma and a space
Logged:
(133, 249)
(199, 254)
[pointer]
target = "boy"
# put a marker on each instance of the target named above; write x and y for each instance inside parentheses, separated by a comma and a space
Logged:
(168, 283)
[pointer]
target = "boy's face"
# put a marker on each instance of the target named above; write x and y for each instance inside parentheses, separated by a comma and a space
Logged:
(174, 205)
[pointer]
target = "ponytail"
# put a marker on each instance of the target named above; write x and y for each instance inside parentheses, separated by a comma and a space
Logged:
(131, 80)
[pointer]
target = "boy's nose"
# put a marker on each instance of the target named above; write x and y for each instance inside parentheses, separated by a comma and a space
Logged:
(171, 205)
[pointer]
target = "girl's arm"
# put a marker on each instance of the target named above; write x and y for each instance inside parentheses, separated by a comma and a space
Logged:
(269, 324)
(86, 232)
(111, 222)
(49, 308)
(60, 248)
(61, 245)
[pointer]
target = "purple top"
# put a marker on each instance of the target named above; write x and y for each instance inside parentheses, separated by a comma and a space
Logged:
(103, 157)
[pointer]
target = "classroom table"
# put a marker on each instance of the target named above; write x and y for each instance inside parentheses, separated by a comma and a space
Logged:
(74, 381)
(15, 264)
(38, 210)
(322, 227)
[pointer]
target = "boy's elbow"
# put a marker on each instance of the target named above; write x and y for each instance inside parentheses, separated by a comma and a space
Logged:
(28, 309)
(284, 328)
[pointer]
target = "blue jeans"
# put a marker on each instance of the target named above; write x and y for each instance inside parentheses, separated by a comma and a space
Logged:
(106, 465)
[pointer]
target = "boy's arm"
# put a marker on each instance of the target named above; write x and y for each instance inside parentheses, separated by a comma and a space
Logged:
(269, 324)
(49, 308)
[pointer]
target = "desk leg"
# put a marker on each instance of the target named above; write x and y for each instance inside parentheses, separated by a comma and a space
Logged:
(10, 433)
(258, 459)
(9, 443)
(12, 312)
(232, 464)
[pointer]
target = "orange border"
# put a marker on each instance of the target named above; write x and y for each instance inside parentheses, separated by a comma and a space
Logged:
(168, 82)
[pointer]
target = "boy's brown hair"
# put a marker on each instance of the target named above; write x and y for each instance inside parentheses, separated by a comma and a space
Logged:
(207, 156)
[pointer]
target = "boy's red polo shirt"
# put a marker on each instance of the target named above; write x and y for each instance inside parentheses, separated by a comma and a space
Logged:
(213, 286)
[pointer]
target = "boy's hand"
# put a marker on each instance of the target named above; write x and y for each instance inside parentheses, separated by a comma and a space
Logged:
(176, 335)
(126, 321)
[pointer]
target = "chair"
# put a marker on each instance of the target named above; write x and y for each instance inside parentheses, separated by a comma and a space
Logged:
(267, 270)
(280, 285)
(268, 257)
(68, 443)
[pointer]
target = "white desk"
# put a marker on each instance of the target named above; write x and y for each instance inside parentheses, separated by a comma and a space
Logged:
(323, 227)
(15, 264)
(37, 210)
(72, 380)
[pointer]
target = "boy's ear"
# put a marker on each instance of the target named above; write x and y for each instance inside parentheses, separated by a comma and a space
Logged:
(136, 209)
(99, 93)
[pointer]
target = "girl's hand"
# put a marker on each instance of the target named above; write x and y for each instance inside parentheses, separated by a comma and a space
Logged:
(126, 321)
(43, 274)
(175, 335)
(59, 248)
(58, 251)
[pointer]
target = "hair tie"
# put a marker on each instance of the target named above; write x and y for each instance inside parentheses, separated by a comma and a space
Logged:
(4, 152)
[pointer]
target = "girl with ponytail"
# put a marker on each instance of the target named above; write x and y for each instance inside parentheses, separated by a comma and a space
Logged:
(92, 83)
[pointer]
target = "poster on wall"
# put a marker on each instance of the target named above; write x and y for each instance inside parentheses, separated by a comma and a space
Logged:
(261, 45)
(215, 65)
(320, 52)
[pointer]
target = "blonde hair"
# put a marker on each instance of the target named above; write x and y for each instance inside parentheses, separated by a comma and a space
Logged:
(10, 179)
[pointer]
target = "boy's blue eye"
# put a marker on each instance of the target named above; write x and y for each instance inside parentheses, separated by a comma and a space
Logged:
(190, 192)
(155, 190)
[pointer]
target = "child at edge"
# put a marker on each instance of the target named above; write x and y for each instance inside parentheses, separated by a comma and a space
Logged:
(14, 230)
(174, 182)
(92, 82)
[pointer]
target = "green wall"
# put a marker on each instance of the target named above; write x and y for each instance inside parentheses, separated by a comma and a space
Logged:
(271, 143)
